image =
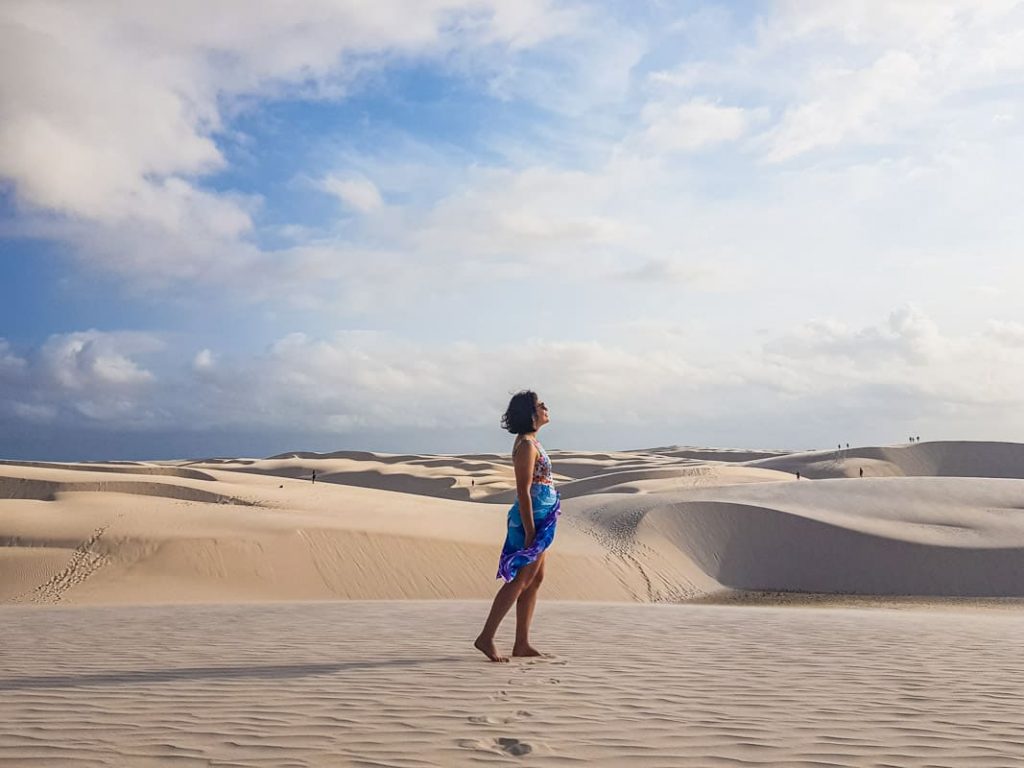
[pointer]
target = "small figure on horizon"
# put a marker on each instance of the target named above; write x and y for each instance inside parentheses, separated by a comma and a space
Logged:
(313, 478)
(862, 471)
(917, 439)
(797, 475)
(847, 445)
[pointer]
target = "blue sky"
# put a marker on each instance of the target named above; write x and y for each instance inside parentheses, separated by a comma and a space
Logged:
(361, 225)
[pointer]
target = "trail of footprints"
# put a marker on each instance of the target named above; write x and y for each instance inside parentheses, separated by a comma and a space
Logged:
(84, 563)
(620, 541)
(510, 745)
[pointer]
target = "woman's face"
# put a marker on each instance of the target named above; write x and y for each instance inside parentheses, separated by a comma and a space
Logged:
(540, 415)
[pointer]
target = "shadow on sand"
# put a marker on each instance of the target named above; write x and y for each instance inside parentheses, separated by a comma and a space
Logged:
(272, 672)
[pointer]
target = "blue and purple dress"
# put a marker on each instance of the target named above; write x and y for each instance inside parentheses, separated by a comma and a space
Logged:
(546, 508)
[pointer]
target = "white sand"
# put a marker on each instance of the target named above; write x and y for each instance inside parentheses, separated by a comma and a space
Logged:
(397, 684)
(655, 525)
(129, 669)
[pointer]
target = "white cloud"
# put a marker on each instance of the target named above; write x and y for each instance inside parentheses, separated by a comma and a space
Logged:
(665, 271)
(592, 195)
(93, 360)
(879, 72)
(1007, 332)
(907, 358)
(88, 377)
(204, 360)
(358, 382)
(353, 191)
(693, 125)
(897, 22)
(852, 102)
(909, 335)
(532, 215)
(10, 364)
(111, 112)
(587, 70)
(33, 413)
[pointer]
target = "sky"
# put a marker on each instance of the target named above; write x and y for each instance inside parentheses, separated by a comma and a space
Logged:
(237, 229)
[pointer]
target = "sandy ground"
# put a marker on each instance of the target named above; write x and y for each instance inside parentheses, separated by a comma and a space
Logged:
(659, 525)
(703, 607)
(397, 684)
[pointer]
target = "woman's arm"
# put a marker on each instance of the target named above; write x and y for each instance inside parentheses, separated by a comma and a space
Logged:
(523, 459)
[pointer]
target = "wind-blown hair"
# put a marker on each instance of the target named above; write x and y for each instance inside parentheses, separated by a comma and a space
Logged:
(518, 417)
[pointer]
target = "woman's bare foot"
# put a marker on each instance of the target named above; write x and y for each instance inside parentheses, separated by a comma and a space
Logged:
(526, 650)
(488, 649)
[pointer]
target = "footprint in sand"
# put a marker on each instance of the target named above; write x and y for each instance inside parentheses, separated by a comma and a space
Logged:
(489, 720)
(513, 746)
(496, 720)
(502, 744)
(545, 659)
(84, 563)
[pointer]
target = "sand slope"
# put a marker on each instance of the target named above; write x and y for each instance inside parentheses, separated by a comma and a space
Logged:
(937, 459)
(637, 526)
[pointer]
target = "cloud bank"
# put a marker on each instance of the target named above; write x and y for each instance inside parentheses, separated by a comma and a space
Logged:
(381, 217)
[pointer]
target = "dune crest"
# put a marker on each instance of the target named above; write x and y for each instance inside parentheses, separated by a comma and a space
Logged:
(644, 526)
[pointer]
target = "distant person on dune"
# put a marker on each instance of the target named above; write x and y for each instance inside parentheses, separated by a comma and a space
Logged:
(531, 527)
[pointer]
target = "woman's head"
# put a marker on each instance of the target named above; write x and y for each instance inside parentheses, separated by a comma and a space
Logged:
(525, 413)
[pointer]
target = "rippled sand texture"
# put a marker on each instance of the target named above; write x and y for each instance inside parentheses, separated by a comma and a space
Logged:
(397, 684)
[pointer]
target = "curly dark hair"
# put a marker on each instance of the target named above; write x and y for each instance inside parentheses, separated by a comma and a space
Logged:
(518, 417)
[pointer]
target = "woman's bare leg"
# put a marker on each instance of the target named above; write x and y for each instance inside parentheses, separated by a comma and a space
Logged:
(524, 612)
(507, 595)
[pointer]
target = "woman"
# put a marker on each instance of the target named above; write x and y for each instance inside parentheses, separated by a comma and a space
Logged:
(531, 527)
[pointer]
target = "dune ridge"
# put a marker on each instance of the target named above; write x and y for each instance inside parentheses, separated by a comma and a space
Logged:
(952, 458)
(637, 526)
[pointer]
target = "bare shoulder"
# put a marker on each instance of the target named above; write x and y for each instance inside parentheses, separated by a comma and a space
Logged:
(518, 448)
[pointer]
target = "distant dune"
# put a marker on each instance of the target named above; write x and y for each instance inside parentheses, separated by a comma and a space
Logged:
(939, 459)
(666, 524)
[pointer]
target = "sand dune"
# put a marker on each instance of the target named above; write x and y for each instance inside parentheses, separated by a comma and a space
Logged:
(637, 526)
(488, 477)
(76, 539)
(670, 478)
(903, 536)
(715, 454)
(451, 477)
(128, 551)
(119, 467)
(938, 459)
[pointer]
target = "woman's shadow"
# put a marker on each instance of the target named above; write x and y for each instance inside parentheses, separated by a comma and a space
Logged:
(270, 672)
